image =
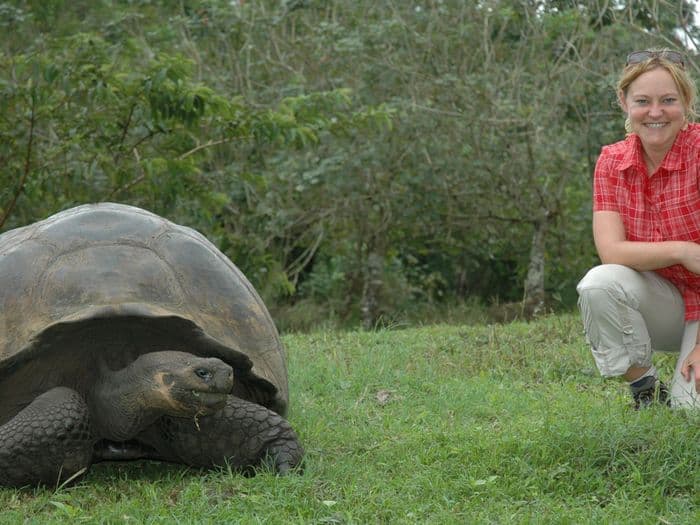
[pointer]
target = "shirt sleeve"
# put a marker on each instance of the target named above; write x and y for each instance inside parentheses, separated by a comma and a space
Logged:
(691, 294)
(605, 181)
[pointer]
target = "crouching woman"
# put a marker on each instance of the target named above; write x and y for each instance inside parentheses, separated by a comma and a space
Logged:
(645, 297)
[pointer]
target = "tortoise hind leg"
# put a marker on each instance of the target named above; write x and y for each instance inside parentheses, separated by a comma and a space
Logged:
(49, 441)
(242, 435)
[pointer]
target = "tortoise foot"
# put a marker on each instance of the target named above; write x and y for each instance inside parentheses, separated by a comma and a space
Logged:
(284, 455)
(49, 442)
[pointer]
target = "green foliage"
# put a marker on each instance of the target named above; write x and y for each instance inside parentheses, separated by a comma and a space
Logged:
(416, 150)
(444, 424)
(85, 119)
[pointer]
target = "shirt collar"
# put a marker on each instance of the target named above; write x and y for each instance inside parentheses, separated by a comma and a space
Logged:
(633, 153)
(633, 156)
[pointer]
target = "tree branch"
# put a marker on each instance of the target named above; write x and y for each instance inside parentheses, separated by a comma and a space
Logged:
(207, 145)
(134, 182)
(298, 265)
(27, 162)
(124, 131)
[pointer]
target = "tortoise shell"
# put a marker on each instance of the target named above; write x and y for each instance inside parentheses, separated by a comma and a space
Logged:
(99, 284)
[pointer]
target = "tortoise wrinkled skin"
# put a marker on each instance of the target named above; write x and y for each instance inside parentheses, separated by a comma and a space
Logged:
(84, 296)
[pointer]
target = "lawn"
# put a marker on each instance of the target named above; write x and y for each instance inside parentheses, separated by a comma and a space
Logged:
(439, 424)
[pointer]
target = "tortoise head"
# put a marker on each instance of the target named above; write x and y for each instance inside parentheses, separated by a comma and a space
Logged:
(182, 384)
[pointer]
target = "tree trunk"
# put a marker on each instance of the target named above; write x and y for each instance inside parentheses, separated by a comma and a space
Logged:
(370, 290)
(534, 296)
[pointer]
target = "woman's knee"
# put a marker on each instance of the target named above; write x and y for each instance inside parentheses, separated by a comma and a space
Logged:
(607, 277)
(608, 282)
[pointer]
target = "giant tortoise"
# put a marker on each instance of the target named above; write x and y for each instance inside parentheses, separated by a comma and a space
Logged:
(126, 336)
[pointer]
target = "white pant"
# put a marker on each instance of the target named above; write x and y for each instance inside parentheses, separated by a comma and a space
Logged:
(627, 315)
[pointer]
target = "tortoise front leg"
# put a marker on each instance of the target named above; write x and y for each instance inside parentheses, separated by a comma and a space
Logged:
(49, 441)
(242, 435)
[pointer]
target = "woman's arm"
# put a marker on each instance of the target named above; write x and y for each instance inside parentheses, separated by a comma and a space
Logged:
(613, 247)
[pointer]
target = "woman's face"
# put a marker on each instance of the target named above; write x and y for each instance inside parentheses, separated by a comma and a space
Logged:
(655, 110)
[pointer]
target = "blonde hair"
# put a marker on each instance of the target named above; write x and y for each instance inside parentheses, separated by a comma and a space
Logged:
(685, 85)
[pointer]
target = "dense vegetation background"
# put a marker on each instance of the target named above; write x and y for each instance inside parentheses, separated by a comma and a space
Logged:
(371, 162)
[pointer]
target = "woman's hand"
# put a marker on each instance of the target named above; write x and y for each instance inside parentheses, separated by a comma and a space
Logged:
(690, 257)
(691, 366)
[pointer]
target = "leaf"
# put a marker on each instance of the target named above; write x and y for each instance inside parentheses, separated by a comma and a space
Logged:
(482, 482)
(67, 509)
(383, 397)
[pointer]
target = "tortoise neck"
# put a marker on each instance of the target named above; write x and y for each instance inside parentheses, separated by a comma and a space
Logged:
(120, 405)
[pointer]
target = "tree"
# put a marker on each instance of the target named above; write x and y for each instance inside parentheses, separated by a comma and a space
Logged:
(356, 159)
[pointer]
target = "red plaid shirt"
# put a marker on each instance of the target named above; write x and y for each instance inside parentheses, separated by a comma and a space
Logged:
(664, 207)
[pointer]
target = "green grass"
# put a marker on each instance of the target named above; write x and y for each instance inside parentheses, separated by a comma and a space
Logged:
(440, 424)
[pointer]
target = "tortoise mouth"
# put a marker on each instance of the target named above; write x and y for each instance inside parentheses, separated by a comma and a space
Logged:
(205, 402)
(209, 401)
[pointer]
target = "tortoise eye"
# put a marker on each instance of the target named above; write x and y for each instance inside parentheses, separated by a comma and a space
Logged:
(203, 373)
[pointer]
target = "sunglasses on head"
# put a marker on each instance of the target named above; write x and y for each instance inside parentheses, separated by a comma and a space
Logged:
(637, 57)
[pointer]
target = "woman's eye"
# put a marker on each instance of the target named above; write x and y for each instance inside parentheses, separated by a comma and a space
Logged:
(640, 101)
(669, 100)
